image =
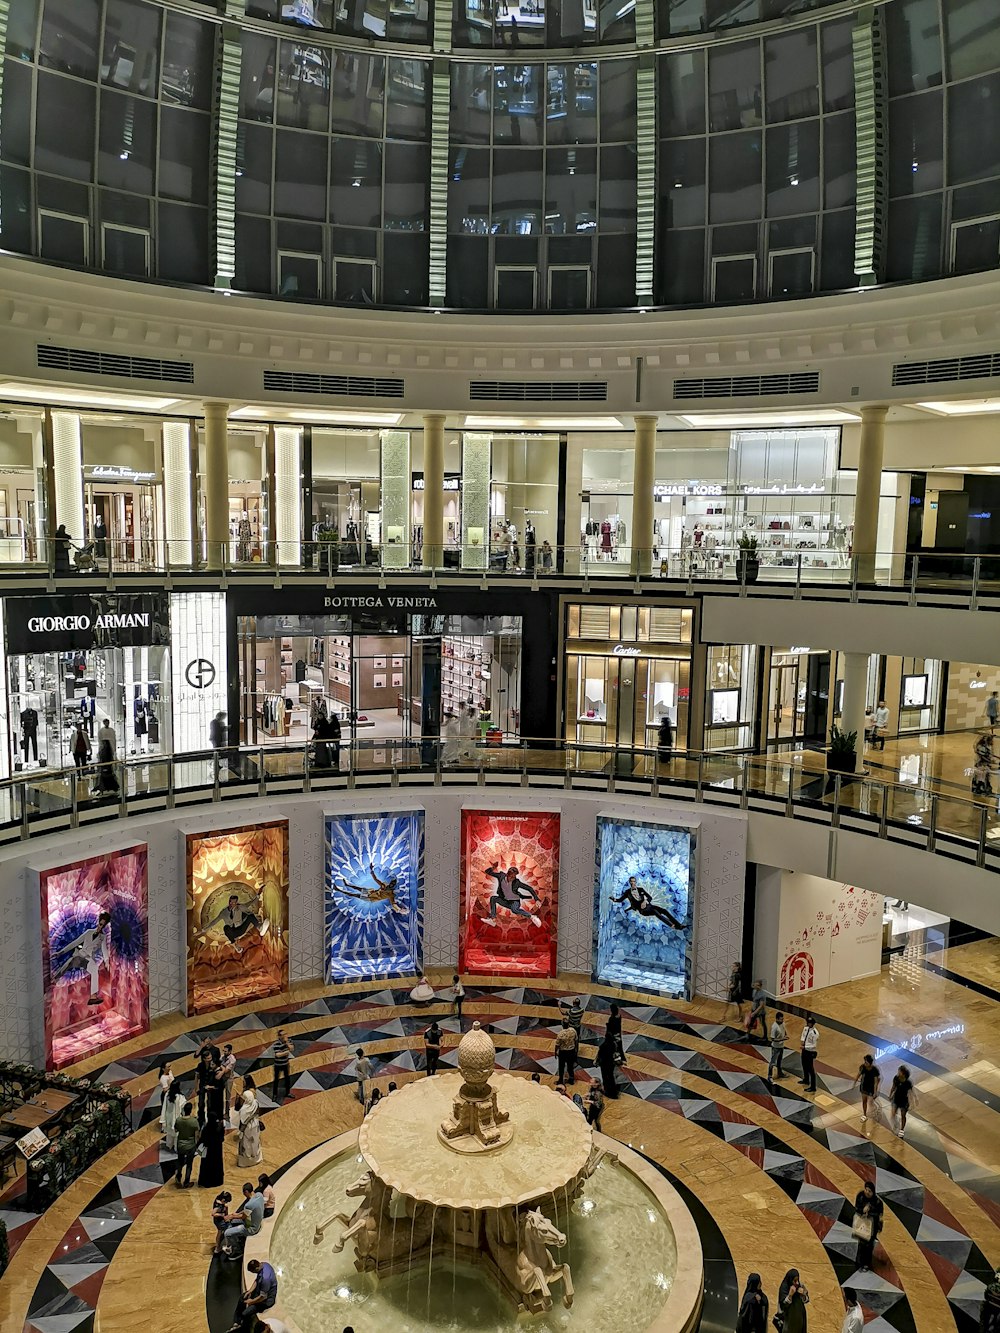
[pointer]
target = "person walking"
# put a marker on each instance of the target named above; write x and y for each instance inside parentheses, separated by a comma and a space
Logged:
(779, 1038)
(81, 747)
(793, 1297)
(566, 1046)
(752, 1317)
(281, 1069)
(734, 994)
(211, 1172)
(166, 1080)
(224, 1077)
(432, 1047)
(186, 1130)
(901, 1095)
(880, 724)
(595, 1106)
(854, 1319)
(869, 1079)
(665, 740)
(809, 1047)
(176, 1098)
(457, 998)
(61, 543)
(205, 1080)
(362, 1071)
(993, 710)
(248, 1149)
(868, 1210)
(758, 1011)
(609, 1057)
(613, 1027)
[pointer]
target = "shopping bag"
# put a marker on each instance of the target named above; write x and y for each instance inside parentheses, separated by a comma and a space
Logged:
(863, 1228)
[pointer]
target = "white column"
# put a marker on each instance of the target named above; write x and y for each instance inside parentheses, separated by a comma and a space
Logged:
(67, 472)
(643, 479)
(433, 548)
(288, 494)
(852, 716)
(217, 483)
(870, 452)
(177, 493)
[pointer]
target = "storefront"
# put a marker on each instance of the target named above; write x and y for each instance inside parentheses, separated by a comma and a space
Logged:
(83, 659)
(392, 665)
(123, 490)
(626, 668)
(730, 696)
(22, 490)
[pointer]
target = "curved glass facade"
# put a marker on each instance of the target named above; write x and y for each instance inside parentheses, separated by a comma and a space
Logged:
(274, 154)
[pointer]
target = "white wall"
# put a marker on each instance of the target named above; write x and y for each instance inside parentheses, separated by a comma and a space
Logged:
(722, 838)
(811, 932)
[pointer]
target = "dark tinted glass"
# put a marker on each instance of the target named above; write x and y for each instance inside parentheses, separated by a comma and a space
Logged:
(300, 175)
(792, 168)
(913, 45)
(131, 46)
(303, 86)
(358, 93)
(571, 103)
(735, 176)
(356, 182)
(682, 93)
(70, 30)
(974, 130)
(184, 155)
(916, 144)
(471, 102)
(64, 126)
(734, 94)
(22, 28)
(915, 229)
(15, 114)
(571, 191)
(127, 151)
(408, 112)
(183, 244)
(257, 77)
(253, 168)
(405, 190)
(518, 92)
(189, 61)
(682, 182)
(790, 75)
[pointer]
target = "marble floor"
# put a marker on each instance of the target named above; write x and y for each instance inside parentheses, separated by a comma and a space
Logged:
(770, 1171)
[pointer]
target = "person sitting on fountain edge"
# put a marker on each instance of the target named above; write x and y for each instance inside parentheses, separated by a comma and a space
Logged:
(261, 1296)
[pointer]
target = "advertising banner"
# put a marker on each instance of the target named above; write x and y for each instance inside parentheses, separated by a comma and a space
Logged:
(95, 954)
(510, 892)
(644, 905)
(374, 903)
(237, 915)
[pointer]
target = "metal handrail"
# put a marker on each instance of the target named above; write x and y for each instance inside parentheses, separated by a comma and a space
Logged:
(46, 800)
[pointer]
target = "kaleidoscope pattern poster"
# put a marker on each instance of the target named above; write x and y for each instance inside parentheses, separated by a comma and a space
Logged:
(95, 954)
(644, 905)
(237, 915)
(509, 892)
(374, 903)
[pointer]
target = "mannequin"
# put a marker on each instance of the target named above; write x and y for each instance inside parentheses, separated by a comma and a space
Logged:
(100, 541)
(29, 731)
(244, 536)
(515, 550)
(529, 547)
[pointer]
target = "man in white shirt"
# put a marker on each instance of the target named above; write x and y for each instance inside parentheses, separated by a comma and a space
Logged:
(810, 1044)
(881, 722)
(106, 732)
(854, 1320)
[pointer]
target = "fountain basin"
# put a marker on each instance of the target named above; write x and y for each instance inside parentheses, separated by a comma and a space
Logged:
(633, 1247)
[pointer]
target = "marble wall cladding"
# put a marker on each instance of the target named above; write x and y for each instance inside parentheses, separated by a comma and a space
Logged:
(396, 487)
(722, 838)
(476, 451)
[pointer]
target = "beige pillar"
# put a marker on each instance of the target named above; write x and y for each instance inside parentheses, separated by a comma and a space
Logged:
(433, 548)
(217, 484)
(870, 452)
(852, 716)
(643, 479)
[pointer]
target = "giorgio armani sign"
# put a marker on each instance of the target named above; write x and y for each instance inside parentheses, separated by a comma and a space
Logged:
(85, 621)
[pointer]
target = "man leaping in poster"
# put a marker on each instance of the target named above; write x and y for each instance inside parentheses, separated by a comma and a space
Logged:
(86, 954)
(511, 892)
(384, 892)
(236, 918)
(637, 899)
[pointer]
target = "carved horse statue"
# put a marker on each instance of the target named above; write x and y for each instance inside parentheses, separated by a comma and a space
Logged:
(536, 1269)
(361, 1220)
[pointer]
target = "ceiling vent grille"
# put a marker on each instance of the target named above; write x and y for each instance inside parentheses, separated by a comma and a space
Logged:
(332, 386)
(538, 391)
(948, 370)
(748, 386)
(83, 362)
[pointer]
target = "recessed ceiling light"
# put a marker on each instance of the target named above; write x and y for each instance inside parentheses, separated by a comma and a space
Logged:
(318, 418)
(542, 423)
(820, 416)
(57, 396)
(963, 407)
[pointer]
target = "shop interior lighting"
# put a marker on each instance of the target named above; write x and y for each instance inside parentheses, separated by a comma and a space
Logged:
(822, 416)
(56, 396)
(510, 424)
(963, 407)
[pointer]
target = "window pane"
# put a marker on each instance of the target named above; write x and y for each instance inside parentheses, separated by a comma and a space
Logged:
(131, 46)
(915, 228)
(64, 240)
(69, 37)
(406, 172)
(735, 280)
(303, 92)
(791, 77)
(409, 20)
(517, 104)
(253, 168)
(735, 176)
(468, 272)
(916, 145)
(356, 182)
(22, 26)
(127, 149)
(408, 113)
(837, 255)
(257, 77)
(182, 245)
(734, 100)
(974, 130)
(680, 16)
(126, 252)
(571, 103)
(184, 172)
(682, 93)
(189, 62)
(618, 101)
(838, 65)
(682, 268)
(972, 37)
(570, 191)
(977, 246)
(300, 175)
(253, 254)
(913, 45)
(404, 268)
(517, 192)
(793, 168)
(471, 101)
(791, 274)
(358, 94)
(617, 211)
(469, 192)
(682, 182)
(569, 288)
(839, 161)
(64, 126)
(15, 115)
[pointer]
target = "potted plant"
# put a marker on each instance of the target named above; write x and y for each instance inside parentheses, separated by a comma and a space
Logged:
(747, 560)
(843, 752)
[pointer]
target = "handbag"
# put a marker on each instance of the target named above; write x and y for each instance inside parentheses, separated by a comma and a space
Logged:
(863, 1227)
(778, 1320)
(201, 1151)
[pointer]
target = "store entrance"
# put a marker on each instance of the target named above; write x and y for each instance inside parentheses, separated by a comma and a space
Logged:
(799, 698)
(121, 524)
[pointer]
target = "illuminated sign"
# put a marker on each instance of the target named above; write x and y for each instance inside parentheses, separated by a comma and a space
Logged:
(687, 488)
(624, 650)
(108, 472)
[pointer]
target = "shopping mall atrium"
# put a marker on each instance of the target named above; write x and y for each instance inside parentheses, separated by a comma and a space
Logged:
(536, 463)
